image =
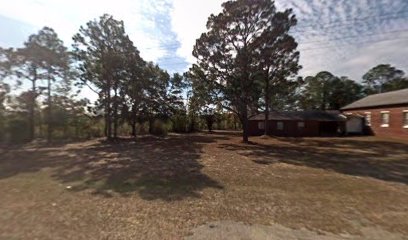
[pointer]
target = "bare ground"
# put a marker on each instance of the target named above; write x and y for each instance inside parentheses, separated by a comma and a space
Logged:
(166, 188)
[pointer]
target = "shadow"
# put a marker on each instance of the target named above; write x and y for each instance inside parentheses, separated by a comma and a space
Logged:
(224, 133)
(156, 168)
(363, 157)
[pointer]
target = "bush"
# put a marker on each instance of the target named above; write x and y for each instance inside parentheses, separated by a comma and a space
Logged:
(180, 123)
(159, 128)
(18, 131)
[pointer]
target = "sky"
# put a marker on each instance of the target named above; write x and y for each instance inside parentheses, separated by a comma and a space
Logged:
(345, 37)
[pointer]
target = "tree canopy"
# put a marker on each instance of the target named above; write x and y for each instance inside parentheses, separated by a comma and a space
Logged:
(324, 91)
(247, 62)
(247, 42)
(384, 78)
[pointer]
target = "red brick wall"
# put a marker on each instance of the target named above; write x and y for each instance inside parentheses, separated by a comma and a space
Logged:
(395, 128)
(290, 129)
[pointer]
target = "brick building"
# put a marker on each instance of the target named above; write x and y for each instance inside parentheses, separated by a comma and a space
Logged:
(298, 124)
(385, 114)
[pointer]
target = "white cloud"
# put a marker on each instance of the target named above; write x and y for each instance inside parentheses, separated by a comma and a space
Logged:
(67, 16)
(188, 21)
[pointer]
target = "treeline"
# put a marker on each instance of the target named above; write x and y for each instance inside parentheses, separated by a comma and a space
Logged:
(40, 83)
(247, 63)
(325, 91)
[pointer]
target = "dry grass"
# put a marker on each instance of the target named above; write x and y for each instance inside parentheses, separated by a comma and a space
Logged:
(162, 188)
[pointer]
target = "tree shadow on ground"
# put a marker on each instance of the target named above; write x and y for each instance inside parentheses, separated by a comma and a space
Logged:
(155, 168)
(359, 157)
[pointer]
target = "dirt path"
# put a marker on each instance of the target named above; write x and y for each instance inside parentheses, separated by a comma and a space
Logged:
(229, 230)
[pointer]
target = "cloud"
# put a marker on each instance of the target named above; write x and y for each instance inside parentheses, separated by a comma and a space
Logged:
(341, 37)
(188, 21)
(349, 37)
(67, 16)
(344, 37)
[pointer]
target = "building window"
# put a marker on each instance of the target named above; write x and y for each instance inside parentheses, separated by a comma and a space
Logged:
(405, 119)
(261, 125)
(301, 124)
(367, 119)
(279, 125)
(385, 119)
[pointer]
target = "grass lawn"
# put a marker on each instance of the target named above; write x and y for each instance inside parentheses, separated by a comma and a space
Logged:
(162, 188)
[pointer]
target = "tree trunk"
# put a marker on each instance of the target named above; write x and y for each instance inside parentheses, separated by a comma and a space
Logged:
(32, 109)
(108, 124)
(209, 126)
(266, 111)
(49, 117)
(244, 121)
(192, 124)
(40, 125)
(115, 114)
(245, 131)
(150, 125)
(76, 129)
(134, 129)
(133, 120)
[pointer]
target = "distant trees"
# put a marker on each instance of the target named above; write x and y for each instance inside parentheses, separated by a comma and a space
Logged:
(101, 49)
(384, 78)
(130, 90)
(247, 63)
(245, 43)
(55, 62)
(43, 58)
(4, 89)
(324, 91)
(28, 64)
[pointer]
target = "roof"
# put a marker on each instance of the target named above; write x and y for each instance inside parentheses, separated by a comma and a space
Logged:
(302, 116)
(353, 115)
(381, 99)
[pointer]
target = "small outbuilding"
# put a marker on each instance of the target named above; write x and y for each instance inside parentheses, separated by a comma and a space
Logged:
(299, 124)
(354, 124)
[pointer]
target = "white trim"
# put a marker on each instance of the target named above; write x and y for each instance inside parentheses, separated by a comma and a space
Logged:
(277, 125)
(403, 118)
(382, 119)
(261, 125)
(367, 123)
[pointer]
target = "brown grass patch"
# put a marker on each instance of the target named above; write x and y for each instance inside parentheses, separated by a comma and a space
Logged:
(161, 188)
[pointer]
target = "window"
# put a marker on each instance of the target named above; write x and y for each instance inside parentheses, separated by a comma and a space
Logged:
(385, 119)
(261, 125)
(301, 124)
(405, 119)
(367, 119)
(279, 125)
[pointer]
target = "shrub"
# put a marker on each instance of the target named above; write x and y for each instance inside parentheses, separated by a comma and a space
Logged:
(18, 131)
(159, 128)
(180, 123)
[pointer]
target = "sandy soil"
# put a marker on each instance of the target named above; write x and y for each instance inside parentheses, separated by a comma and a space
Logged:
(166, 188)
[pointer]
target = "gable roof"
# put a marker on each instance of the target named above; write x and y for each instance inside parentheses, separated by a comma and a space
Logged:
(381, 99)
(301, 116)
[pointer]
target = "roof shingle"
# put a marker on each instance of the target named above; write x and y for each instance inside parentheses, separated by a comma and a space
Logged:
(301, 116)
(381, 99)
